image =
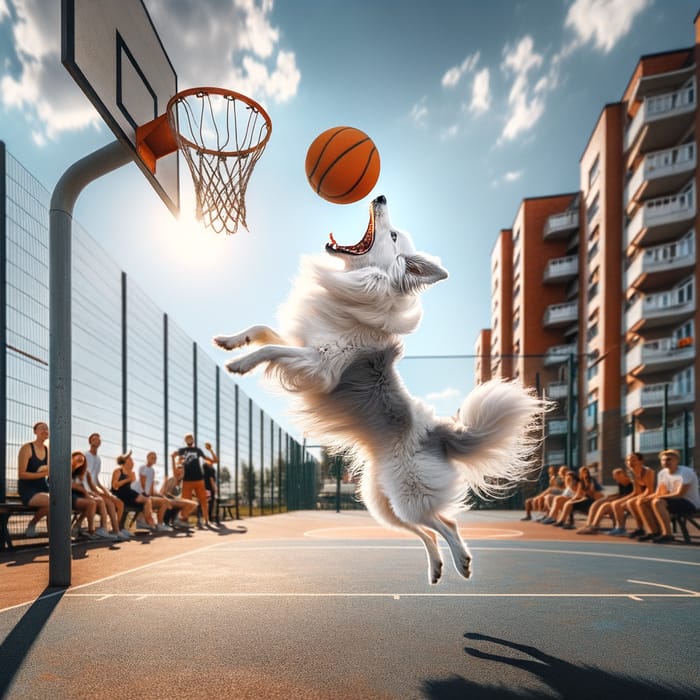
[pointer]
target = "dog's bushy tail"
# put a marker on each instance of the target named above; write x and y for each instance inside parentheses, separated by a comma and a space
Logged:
(499, 427)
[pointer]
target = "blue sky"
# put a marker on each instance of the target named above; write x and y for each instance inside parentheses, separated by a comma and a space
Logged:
(472, 105)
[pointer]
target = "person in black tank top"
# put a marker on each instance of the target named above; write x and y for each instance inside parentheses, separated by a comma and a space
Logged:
(32, 473)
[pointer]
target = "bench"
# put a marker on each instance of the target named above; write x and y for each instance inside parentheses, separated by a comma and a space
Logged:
(681, 521)
(7, 510)
(227, 509)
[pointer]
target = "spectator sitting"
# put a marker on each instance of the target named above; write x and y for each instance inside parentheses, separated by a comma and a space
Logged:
(604, 506)
(676, 493)
(80, 501)
(114, 506)
(32, 470)
(146, 486)
(555, 491)
(588, 491)
(80, 486)
(172, 490)
(643, 479)
(122, 478)
(557, 502)
(537, 501)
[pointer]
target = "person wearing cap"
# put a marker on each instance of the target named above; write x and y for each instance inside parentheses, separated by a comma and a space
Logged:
(122, 478)
(676, 493)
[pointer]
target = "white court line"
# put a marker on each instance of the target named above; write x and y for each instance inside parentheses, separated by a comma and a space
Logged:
(258, 547)
(395, 596)
(664, 585)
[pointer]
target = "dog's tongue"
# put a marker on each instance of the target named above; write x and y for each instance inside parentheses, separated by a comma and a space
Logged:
(359, 248)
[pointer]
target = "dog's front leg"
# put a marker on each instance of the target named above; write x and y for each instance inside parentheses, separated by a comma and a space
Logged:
(288, 357)
(255, 335)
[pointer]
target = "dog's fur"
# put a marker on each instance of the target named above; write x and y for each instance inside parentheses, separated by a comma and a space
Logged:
(337, 354)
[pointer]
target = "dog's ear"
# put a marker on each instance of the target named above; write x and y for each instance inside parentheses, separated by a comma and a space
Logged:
(420, 272)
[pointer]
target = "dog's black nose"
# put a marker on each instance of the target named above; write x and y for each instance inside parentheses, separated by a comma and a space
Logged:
(380, 200)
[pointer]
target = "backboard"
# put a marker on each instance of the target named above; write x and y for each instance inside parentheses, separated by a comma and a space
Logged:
(114, 53)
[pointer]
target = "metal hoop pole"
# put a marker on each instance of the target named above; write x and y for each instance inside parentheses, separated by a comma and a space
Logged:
(63, 199)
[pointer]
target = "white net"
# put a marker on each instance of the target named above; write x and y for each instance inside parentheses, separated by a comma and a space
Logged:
(221, 135)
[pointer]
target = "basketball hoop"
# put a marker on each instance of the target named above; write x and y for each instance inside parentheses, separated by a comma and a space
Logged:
(221, 134)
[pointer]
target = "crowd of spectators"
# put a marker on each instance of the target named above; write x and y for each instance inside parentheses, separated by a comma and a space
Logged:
(649, 499)
(100, 510)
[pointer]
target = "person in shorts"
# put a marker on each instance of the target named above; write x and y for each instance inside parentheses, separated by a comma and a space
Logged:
(677, 493)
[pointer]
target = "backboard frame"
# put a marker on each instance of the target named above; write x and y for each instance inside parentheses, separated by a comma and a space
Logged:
(115, 55)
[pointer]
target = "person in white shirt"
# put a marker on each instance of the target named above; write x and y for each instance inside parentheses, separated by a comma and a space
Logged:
(114, 506)
(145, 483)
(677, 493)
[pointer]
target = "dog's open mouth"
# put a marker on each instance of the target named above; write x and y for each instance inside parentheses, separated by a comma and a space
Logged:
(359, 248)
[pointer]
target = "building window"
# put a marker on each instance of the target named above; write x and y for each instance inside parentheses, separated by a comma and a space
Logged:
(592, 210)
(594, 171)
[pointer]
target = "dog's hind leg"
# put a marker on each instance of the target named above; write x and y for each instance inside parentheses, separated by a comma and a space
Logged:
(380, 509)
(461, 556)
(257, 335)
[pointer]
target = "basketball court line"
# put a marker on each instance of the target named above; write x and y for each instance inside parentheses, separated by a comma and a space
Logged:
(258, 546)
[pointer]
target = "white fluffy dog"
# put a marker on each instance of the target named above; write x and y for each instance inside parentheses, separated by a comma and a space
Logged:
(337, 353)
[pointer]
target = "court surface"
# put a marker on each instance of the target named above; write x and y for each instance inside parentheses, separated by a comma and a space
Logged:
(325, 605)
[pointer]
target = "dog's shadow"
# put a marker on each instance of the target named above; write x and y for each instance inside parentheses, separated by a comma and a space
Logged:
(562, 678)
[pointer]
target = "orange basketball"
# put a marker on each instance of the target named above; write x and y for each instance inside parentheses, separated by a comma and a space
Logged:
(342, 164)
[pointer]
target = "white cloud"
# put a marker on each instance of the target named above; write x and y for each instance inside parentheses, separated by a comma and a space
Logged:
(481, 94)
(454, 74)
(447, 394)
(449, 133)
(197, 36)
(602, 22)
(512, 175)
(526, 105)
(419, 112)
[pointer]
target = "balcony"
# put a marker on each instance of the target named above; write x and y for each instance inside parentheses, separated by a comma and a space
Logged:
(558, 354)
(651, 396)
(661, 120)
(557, 390)
(663, 265)
(653, 440)
(561, 225)
(557, 427)
(561, 270)
(560, 314)
(555, 457)
(662, 355)
(656, 310)
(662, 219)
(661, 172)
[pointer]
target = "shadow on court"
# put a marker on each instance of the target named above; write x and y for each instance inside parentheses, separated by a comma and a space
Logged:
(564, 679)
(19, 641)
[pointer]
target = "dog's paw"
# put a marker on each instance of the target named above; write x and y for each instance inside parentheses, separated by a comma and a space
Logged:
(231, 342)
(463, 564)
(239, 366)
(435, 572)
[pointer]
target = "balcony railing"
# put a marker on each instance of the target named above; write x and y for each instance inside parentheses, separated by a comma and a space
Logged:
(557, 314)
(555, 457)
(671, 211)
(557, 427)
(661, 354)
(659, 167)
(557, 390)
(558, 225)
(665, 308)
(662, 258)
(558, 354)
(660, 107)
(561, 269)
(653, 440)
(652, 396)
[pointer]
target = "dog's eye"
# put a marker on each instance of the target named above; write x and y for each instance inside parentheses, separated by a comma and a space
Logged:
(394, 236)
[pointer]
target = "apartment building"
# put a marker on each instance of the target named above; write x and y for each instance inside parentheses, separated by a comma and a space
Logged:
(600, 284)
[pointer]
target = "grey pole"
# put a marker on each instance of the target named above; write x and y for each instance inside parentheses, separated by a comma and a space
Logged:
(63, 199)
